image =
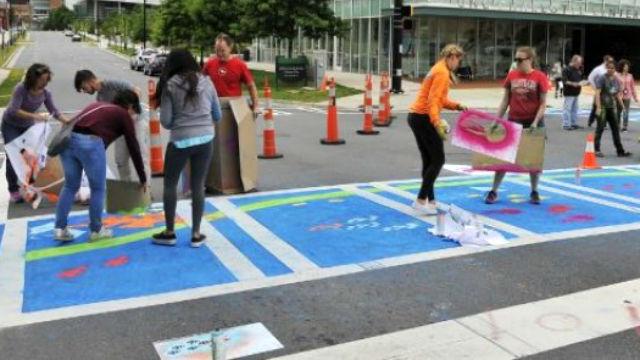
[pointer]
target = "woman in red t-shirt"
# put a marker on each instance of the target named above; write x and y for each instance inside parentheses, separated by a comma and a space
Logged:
(525, 94)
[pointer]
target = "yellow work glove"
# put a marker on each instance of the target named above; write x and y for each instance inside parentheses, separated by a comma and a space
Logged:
(443, 129)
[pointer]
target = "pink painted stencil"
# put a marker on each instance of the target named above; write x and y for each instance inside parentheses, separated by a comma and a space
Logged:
(472, 132)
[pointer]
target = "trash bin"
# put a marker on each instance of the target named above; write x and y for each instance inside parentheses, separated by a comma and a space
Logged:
(246, 55)
(234, 166)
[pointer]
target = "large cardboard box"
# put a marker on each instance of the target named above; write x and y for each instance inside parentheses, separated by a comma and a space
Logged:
(126, 197)
(530, 157)
(51, 177)
(234, 166)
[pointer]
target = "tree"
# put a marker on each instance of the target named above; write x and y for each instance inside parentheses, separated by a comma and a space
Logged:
(173, 24)
(59, 19)
(283, 19)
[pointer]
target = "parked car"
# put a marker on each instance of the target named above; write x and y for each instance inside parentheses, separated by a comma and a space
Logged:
(76, 37)
(68, 33)
(137, 61)
(154, 65)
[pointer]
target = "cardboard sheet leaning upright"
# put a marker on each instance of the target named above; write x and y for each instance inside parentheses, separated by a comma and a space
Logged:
(234, 166)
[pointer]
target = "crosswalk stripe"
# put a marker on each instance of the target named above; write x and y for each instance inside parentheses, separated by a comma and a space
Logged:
(580, 197)
(586, 189)
(486, 220)
(232, 258)
(506, 333)
(12, 267)
(274, 244)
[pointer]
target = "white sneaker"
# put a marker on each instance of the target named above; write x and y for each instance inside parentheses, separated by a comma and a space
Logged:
(426, 209)
(62, 235)
(101, 235)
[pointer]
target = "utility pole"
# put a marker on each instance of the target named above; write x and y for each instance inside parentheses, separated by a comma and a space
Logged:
(144, 24)
(396, 54)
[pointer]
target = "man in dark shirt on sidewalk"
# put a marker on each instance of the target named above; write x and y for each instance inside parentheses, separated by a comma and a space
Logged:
(572, 79)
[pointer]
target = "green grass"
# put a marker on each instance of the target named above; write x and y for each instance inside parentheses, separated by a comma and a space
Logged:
(6, 53)
(297, 92)
(6, 88)
(119, 49)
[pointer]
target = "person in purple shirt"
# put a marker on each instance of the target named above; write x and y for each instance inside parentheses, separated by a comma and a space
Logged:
(21, 114)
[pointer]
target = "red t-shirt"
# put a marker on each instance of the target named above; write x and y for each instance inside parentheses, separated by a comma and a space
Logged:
(228, 76)
(525, 94)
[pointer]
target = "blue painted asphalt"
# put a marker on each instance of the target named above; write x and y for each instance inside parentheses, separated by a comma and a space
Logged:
(329, 227)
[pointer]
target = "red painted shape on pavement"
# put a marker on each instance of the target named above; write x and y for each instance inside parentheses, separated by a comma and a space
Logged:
(635, 318)
(559, 209)
(118, 261)
(578, 218)
(629, 186)
(607, 187)
(73, 273)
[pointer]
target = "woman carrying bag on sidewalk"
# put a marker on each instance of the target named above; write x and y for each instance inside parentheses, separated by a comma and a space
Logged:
(428, 128)
(188, 107)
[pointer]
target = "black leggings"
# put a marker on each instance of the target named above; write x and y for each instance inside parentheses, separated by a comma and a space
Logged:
(611, 116)
(432, 151)
(174, 161)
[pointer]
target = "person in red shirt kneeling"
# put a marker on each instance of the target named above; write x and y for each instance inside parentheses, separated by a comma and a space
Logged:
(228, 72)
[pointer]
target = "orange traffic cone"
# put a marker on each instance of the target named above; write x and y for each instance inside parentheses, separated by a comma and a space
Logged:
(589, 161)
(157, 160)
(383, 116)
(367, 125)
(332, 118)
(269, 133)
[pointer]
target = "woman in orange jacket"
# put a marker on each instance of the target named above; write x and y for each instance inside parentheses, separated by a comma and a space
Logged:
(427, 126)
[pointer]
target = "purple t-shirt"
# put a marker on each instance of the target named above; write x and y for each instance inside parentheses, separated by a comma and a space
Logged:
(23, 100)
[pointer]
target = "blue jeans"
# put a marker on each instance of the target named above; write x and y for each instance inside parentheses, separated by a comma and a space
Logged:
(85, 152)
(570, 111)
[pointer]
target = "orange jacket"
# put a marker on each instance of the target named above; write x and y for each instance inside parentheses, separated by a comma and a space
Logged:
(434, 93)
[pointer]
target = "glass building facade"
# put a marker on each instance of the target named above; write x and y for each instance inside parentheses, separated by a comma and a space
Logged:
(488, 30)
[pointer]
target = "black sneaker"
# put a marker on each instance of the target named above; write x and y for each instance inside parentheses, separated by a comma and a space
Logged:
(534, 198)
(576, 127)
(196, 242)
(599, 154)
(491, 197)
(162, 238)
(624, 129)
(624, 154)
(568, 128)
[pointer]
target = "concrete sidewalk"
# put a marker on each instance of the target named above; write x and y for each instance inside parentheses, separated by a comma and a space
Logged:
(481, 97)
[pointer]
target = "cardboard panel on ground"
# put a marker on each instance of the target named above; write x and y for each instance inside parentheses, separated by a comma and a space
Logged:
(127, 266)
(332, 227)
(556, 213)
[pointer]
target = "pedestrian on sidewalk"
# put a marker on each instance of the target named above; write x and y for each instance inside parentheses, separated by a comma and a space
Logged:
(106, 89)
(428, 128)
(628, 91)
(572, 78)
(525, 94)
(608, 102)
(97, 126)
(228, 72)
(594, 75)
(556, 75)
(188, 107)
(22, 113)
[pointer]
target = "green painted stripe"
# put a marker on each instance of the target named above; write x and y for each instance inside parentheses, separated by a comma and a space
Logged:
(105, 244)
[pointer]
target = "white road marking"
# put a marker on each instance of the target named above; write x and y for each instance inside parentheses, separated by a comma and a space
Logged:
(506, 333)
(12, 267)
(232, 258)
(486, 220)
(275, 245)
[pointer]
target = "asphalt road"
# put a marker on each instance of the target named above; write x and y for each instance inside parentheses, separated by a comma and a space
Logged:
(325, 312)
